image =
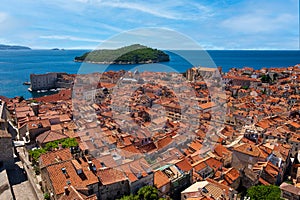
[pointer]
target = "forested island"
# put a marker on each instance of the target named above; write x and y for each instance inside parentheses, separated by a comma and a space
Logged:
(133, 54)
(13, 47)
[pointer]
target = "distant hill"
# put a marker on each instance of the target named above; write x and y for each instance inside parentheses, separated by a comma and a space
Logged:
(13, 47)
(133, 54)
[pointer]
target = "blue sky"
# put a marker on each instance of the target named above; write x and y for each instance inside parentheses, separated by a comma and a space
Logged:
(213, 24)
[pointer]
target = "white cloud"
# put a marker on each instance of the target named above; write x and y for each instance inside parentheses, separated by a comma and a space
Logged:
(3, 17)
(175, 10)
(143, 8)
(68, 37)
(255, 23)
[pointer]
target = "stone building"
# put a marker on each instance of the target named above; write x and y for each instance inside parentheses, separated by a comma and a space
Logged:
(196, 74)
(6, 146)
(289, 191)
(245, 156)
(6, 150)
(113, 184)
(43, 81)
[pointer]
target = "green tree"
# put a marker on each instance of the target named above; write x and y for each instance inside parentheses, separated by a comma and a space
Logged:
(46, 196)
(266, 78)
(35, 154)
(148, 193)
(69, 142)
(130, 197)
(262, 192)
(66, 143)
(144, 193)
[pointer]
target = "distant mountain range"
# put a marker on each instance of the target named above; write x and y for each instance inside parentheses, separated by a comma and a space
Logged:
(13, 47)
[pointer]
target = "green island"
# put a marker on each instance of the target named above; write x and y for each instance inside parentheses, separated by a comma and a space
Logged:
(133, 54)
(13, 47)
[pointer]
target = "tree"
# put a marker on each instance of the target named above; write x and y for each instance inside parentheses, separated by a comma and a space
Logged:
(144, 193)
(266, 78)
(148, 193)
(66, 143)
(262, 192)
(35, 154)
(130, 197)
(46, 196)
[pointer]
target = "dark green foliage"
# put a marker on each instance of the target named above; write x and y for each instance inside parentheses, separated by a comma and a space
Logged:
(46, 196)
(130, 197)
(262, 192)
(266, 78)
(144, 193)
(148, 192)
(35, 154)
(66, 143)
(132, 54)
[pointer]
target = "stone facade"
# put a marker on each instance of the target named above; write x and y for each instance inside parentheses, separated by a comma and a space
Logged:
(43, 81)
(6, 147)
(6, 150)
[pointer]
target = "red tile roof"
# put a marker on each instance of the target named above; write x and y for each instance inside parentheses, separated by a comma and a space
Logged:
(53, 157)
(160, 179)
(184, 165)
(249, 149)
(50, 136)
(109, 176)
(60, 180)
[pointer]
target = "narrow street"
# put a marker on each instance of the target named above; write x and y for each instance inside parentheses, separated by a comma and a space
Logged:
(22, 189)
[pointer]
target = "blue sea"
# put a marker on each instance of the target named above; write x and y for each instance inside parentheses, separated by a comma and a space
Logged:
(16, 66)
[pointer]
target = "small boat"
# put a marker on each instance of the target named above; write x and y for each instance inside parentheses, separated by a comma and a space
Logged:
(26, 83)
(53, 90)
(29, 89)
(44, 90)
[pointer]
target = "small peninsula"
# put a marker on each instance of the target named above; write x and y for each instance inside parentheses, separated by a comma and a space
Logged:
(13, 47)
(133, 54)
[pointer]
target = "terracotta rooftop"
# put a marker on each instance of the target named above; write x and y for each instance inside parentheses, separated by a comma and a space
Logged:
(53, 157)
(231, 175)
(290, 188)
(160, 179)
(184, 165)
(60, 180)
(76, 195)
(109, 176)
(50, 136)
(249, 149)
(207, 105)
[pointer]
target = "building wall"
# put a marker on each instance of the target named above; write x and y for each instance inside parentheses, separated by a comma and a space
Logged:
(135, 186)
(240, 160)
(43, 81)
(114, 191)
(35, 132)
(6, 150)
(164, 190)
(288, 195)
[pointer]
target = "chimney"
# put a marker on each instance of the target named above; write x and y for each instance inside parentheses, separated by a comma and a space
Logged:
(90, 165)
(60, 146)
(67, 191)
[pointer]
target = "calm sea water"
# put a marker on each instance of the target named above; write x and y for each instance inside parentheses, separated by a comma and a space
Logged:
(16, 66)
